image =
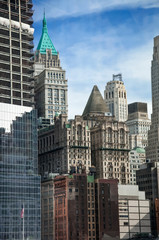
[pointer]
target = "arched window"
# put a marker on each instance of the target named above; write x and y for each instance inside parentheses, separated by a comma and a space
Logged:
(122, 168)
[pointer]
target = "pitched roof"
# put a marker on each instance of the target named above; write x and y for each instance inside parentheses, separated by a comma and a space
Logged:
(95, 103)
(45, 41)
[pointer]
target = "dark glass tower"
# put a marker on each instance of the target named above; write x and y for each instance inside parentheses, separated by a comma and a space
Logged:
(19, 180)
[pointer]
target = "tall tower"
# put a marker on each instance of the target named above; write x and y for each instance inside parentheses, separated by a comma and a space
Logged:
(116, 98)
(50, 79)
(152, 151)
(19, 180)
(16, 50)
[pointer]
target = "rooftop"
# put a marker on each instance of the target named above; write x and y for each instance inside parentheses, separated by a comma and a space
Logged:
(45, 41)
(95, 104)
(139, 150)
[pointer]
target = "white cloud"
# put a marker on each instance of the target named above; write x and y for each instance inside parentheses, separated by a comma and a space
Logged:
(92, 59)
(63, 8)
(87, 68)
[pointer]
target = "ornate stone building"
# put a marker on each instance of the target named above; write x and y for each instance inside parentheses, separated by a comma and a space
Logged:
(63, 145)
(110, 150)
(115, 97)
(93, 136)
(109, 140)
(50, 79)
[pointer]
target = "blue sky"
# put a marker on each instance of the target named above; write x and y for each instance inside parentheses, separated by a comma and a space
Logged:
(99, 38)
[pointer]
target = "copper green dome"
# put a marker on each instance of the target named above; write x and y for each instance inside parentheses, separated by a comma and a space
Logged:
(45, 41)
(139, 150)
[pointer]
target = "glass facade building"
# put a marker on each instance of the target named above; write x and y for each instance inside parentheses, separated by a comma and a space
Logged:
(19, 180)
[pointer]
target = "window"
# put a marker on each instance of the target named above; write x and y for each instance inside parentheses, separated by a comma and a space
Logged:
(126, 223)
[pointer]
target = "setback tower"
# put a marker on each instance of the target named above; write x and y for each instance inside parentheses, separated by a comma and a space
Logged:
(50, 79)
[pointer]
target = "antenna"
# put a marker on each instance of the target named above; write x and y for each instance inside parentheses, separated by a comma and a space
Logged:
(117, 77)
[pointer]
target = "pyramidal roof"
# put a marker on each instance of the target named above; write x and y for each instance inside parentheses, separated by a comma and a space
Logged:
(45, 41)
(95, 103)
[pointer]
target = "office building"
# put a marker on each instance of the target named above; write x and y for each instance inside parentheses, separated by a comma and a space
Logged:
(136, 158)
(115, 97)
(152, 151)
(85, 208)
(139, 124)
(134, 211)
(16, 50)
(47, 206)
(147, 178)
(69, 143)
(63, 145)
(157, 215)
(74, 202)
(109, 140)
(19, 180)
(50, 79)
(107, 212)
(110, 150)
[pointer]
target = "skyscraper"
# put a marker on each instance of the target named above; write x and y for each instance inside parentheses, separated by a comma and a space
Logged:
(19, 180)
(116, 98)
(50, 79)
(152, 151)
(16, 35)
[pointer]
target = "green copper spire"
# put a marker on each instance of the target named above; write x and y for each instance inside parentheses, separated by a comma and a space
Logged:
(44, 24)
(45, 41)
